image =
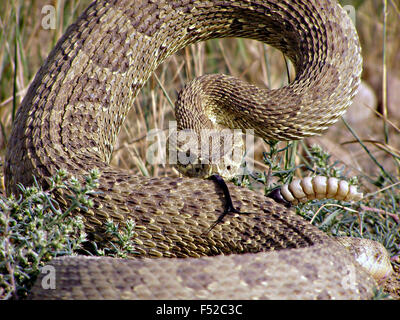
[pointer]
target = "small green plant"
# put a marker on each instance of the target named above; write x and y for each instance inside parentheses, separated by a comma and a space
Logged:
(122, 244)
(34, 229)
(280, 162)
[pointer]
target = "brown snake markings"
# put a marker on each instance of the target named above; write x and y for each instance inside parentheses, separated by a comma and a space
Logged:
(73, 111)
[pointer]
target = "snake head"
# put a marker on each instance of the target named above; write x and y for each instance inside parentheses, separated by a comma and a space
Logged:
(206, 153)
(195, 170)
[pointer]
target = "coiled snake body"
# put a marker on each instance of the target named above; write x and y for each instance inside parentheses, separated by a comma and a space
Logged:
(73, 110)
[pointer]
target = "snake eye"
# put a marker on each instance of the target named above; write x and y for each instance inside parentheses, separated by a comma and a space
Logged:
(228, 168)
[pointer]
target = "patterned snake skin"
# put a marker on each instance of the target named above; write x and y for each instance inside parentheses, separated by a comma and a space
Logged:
(73, 111)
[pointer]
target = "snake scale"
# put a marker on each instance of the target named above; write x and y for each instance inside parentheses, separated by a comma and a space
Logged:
(73, 111)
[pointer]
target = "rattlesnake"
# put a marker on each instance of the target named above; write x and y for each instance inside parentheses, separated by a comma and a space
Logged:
(73, 110)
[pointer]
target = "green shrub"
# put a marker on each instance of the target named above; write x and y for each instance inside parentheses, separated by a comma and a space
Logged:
(34, 229)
